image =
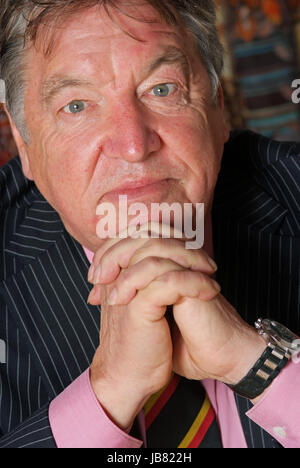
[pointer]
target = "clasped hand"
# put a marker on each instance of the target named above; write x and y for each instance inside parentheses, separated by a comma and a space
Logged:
(134, 281)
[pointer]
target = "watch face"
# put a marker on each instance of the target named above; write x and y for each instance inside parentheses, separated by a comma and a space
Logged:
(284, 334)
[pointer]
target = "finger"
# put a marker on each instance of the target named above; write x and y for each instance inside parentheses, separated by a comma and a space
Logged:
(132, 251)
(138, 277)
(172, 287)
(127, 247)
(160, 230)
(107, 265)
(95, 295)
(195, 260)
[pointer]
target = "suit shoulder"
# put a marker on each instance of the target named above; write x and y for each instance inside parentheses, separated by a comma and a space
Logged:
(259, 151)
(14, 186)
(259, 183)
(271, 164)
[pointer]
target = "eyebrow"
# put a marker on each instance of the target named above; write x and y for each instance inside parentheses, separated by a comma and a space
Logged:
(171, 56)
(56, 83)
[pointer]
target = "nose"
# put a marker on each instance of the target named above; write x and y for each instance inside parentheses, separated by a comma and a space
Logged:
(129, 136)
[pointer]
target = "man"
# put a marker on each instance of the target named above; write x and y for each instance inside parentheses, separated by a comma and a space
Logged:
(123, 98)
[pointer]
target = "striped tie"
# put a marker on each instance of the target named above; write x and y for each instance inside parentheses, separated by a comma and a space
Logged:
(181, 416)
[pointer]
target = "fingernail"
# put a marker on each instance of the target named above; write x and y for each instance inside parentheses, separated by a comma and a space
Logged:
(216, 286)
(112, 297)
(212, 263)
(91, 295)
(97, 275)
(91, 273)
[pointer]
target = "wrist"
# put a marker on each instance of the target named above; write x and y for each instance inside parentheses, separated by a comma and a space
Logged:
(250, 350)
(120, 404)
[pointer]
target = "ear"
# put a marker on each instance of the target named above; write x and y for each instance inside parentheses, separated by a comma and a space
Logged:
(22, 147)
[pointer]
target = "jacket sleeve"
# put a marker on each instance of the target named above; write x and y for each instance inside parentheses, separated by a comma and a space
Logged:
(24, 401)
(74, 419)
(35, 432)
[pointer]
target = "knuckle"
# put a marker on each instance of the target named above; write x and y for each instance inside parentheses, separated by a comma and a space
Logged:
(202, 278)
(144, 251)
(147, 260)
(154, 262)
(149, 243)
(170, 277)
(137, 257)
(161, 242)
(168, 243)
(184, 276)
(204, 282)
(187, 277)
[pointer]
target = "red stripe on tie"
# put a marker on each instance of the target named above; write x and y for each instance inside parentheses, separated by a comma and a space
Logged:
(203, 429)
(160, 403)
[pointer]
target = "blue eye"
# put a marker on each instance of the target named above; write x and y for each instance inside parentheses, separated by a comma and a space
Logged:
(163, 90)
(75, 107)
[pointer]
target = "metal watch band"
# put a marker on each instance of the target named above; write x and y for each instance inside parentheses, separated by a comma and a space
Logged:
(266, 369)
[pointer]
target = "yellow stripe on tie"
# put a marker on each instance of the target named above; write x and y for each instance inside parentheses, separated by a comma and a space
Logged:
(196, 424)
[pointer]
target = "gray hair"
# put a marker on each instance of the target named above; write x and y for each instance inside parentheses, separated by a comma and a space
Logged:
(21, 19)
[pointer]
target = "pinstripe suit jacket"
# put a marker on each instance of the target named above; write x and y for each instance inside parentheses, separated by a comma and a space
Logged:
(49, 331)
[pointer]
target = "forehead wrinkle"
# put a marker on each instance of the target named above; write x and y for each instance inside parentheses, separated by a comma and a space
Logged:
(171, 55)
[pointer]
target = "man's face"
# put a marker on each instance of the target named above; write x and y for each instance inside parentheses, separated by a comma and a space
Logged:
(111, 115)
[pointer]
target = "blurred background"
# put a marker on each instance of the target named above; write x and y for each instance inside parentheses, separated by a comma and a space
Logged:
(262, 43)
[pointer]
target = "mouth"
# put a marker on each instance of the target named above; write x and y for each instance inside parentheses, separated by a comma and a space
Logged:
(136, 189)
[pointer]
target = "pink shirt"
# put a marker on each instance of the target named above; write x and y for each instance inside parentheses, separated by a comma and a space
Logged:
(78, 421)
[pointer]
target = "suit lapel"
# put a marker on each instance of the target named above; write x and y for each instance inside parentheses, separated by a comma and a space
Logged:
(37, 227)
(47, 296)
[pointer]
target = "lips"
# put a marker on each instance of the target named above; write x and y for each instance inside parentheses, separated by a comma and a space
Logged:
(134, 184)
(137, 188)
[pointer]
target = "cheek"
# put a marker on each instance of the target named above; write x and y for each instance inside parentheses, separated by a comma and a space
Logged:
(63, 166)
(194, 144)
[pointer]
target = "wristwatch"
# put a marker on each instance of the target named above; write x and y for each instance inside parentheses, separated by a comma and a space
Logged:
(282, 344)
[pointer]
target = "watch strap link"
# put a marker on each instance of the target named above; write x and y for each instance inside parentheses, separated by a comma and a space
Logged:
(266, 369)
